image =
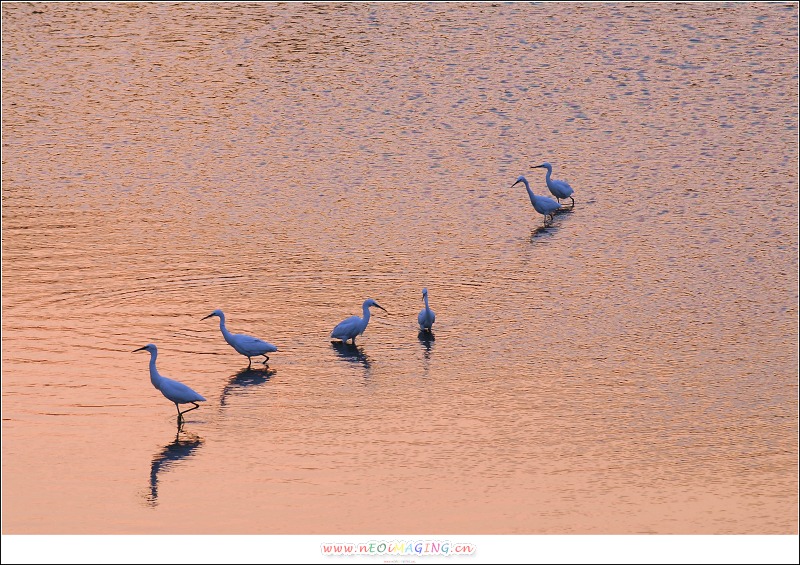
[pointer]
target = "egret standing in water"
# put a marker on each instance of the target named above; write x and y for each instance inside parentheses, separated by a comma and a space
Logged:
(542, 204)
(248, 346)
(559, 188)
(426, 316)
(177, 392)
(354, 326)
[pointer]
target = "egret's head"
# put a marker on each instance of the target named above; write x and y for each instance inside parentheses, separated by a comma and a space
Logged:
(149, 347)
(519, 180)
(370, 302)
(424, 292)
(217, 313)
(547, 166)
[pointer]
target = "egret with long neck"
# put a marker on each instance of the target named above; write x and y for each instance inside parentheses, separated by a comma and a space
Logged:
(246, 345)
(426, 316)
(175, 391)
(354, 326)
(542, 204)
(558, 188)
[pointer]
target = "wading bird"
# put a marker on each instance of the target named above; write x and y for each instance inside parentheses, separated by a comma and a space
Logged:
(559, 188)
(542, 204)
(354, 326)
(248, 346)
(426, 316)
(175, 391)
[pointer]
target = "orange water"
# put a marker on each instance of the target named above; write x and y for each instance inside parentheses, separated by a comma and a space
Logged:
(631, 369)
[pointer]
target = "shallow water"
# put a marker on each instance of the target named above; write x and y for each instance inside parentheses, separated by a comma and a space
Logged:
(630, 369)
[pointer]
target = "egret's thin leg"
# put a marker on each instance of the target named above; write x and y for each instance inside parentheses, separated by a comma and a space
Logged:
(249, 362)
(266, 358)
(573, 201)
(196, 406)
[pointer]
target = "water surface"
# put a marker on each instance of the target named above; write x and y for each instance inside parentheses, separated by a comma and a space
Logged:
(630, 369)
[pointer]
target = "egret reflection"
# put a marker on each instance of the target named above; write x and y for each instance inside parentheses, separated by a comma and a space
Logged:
(538, 231)
(352, 354)
(426, 338)
(247, 377)
(550, 228)
(183, 446)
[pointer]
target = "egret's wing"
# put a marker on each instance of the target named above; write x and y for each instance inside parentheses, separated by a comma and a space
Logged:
(425, 320)
(551, 204)
(545, 205)
(563, 186)
(344, 327)
(254, 345)
(179, 392)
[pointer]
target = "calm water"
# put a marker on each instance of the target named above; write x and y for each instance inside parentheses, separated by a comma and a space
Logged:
(631, 369)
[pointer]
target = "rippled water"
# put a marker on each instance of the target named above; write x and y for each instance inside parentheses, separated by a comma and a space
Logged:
(631, 369)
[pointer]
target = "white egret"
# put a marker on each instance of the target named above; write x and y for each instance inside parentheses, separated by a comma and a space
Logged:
(248, 346)
(175, 391)
(542, 204)
(559, 188)
(354, 326)
(426, 316)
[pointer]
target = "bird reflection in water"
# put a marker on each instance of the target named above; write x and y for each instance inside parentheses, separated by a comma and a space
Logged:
(352, 354)
(538, 230)
(245, 378)
(426, 339)
(549, 228)
(183, 447)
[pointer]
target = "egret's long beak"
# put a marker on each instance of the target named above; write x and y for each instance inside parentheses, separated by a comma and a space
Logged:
(381, 307)
(140, 349)
(207, 316)
(516, 183)
(538, 167)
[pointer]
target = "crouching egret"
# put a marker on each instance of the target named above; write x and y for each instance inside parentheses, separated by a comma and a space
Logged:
(542, 204)
(354, 326)
(248, 346)
(426, 316)
(177, 392)
(559, 188)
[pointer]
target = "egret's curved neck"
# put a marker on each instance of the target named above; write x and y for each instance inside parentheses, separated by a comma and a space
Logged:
(549, 172)
(427, 308)
(528, 188)
(155, 378)
(366, 314)
(222, 327)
